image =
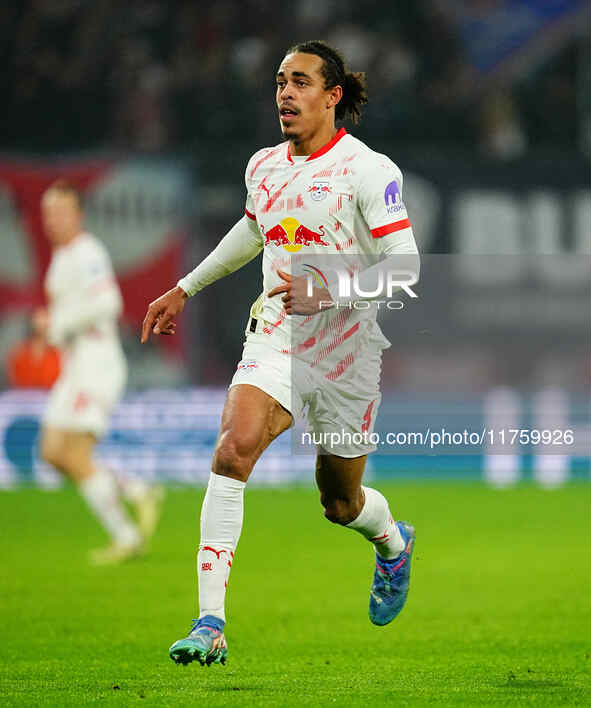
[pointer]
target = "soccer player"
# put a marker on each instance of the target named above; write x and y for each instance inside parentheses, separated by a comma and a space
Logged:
(321, 191)
(84, 306)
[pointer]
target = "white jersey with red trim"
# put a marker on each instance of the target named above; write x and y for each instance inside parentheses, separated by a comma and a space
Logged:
(344, 200)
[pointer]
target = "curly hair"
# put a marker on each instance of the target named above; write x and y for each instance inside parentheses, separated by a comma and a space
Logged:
(335, 74)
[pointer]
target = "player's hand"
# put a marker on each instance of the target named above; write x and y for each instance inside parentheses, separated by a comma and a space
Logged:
(296, 300)
(161, 313)
(40, 321)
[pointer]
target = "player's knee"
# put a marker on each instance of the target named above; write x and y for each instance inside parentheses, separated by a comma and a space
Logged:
(340, 511)
(60, 457)
(231, 459)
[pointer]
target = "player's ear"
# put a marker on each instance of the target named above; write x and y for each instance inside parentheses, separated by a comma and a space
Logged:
(334, 96)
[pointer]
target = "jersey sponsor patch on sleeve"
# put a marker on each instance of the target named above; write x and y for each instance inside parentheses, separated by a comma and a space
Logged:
(393, 198)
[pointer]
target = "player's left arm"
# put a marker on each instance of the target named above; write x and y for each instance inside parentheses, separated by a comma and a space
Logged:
(94, 297)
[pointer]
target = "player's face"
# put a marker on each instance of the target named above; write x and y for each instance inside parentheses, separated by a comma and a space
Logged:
(62, 216)
(303, 103)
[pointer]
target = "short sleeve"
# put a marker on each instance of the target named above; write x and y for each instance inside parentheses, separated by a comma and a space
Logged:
(380, 199)
(249, 207)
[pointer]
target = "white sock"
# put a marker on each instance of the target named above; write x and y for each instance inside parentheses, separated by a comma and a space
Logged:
(221, 523)
(100, 491)
(133, 488)
(376, 524)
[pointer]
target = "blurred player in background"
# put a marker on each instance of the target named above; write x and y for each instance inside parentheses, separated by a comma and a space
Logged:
(324, 192)
(84, 307)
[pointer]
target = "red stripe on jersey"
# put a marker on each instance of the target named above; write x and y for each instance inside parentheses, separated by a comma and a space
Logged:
(269, 203)
(270, 330)
(351, 331)
(250, 216)
(325, 148)
(341, 367)
(340, 134)
(337, 340)
(390, 228)
(263, 158)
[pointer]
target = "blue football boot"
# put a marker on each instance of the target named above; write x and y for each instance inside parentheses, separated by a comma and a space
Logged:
(205, 643)
(391, 579)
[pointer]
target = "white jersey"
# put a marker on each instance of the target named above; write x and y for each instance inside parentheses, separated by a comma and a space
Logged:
(84, 306)
(84, 298)
(344, 200)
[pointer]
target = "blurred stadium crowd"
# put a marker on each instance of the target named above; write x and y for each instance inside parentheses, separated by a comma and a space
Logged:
(153, 76)
(463, 95)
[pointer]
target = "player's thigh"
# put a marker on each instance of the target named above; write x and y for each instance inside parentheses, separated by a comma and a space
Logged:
(79, 448)
(52, 444)
(251, 420)
(69, 451)
(79, 444)
(339, 478)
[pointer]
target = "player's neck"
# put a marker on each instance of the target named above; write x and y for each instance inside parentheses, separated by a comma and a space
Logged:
(69, 238)
(314, 143)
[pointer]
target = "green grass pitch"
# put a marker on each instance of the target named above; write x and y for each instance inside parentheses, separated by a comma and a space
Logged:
(499, 610)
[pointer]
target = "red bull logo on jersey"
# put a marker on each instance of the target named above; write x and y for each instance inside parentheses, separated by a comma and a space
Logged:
(293, 235)
(319, 190)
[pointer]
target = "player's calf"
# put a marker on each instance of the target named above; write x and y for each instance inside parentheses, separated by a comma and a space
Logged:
(342, 510)
(393, 543)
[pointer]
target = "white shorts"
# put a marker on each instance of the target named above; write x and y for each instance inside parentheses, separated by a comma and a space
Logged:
(86, 392)
(341, 413)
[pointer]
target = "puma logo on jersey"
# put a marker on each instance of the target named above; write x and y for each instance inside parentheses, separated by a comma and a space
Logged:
(267, 189)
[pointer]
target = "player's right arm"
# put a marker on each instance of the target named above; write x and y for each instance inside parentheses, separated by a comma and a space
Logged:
(238, 247)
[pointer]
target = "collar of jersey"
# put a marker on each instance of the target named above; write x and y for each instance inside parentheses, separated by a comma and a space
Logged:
(324, 149)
